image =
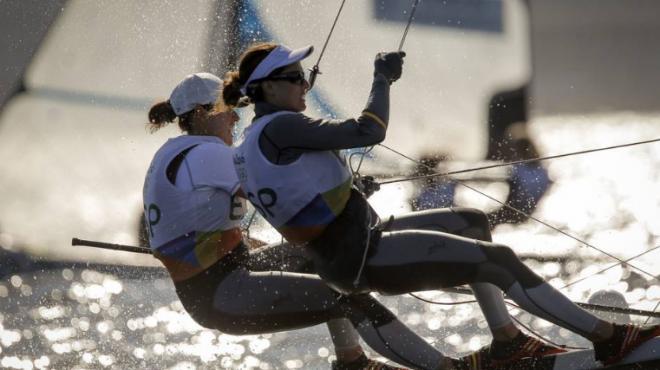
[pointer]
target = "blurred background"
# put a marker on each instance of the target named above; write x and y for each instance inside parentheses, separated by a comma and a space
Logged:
(484, 81)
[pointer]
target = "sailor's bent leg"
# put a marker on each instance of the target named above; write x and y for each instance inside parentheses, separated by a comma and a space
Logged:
(281, 257)
(532, 293)
(470, 223)
(295, 258)
(384, 333)
(262, 302)
(248, 302)
(467, 222)
(406, 261)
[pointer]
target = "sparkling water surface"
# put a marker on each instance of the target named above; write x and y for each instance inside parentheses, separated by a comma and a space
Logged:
(77, 316)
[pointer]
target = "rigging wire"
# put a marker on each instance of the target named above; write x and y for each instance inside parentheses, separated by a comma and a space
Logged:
(654, 310)
(545, 339)
(559, 230)
(356, 172)
(249, 223)
(314, 71)
(462, 183)
(410, 18)
(530, 330)
(595, 307)
(610, 267)
(361, 154)
(620, 262)
(589, 306)
(443, 174)
(442, 303)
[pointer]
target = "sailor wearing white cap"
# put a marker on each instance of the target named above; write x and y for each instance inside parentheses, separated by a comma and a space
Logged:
(193, 207)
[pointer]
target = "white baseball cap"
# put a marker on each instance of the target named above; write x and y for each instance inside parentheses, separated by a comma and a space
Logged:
(280, 56)
(196, 89)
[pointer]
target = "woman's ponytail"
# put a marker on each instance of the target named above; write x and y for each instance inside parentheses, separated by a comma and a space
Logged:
(160, 115)
(231, 91)
(234, 80)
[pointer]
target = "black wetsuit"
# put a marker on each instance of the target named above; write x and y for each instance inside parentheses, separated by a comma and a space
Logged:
(253, 294)
(257, 292)
(406, 259)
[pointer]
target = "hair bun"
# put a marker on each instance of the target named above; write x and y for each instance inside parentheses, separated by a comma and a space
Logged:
(231, 92)
(161, 114)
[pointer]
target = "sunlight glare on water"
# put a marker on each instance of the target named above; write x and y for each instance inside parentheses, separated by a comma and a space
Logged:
(87, 318)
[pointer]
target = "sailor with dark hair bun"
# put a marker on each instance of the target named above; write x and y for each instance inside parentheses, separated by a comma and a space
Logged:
(291, 171)
(193, 206)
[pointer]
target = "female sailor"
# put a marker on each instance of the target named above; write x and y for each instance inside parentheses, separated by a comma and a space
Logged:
(290, 170)
(193, 207)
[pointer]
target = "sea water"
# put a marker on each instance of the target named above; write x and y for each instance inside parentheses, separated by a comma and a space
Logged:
(79, 316)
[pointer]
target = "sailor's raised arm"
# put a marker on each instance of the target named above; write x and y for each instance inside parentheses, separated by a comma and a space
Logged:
(298, 131)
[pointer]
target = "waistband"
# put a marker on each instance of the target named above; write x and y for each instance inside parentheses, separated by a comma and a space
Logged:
(196, 294)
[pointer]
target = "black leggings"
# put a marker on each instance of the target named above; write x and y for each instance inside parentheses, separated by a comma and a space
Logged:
(409, 259)
(444, 248)
(254, 299)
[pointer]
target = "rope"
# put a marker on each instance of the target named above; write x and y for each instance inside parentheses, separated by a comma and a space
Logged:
(560, 231)
(654, 310)
(506, 163)
(247, 227)
(539, 336)
(525, 213)
(410, 18)
(362, 154)
(620, 261)
(356, 172)
(442, 303)
(315, 69)
(610, 267)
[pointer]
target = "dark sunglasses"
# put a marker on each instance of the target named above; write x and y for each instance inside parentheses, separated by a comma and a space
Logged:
(297, 77)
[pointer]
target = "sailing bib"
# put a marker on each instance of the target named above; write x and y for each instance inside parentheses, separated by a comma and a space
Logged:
(185, 225)
(308, 192)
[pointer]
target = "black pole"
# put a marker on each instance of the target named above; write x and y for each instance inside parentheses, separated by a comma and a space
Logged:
(116, 247)
(458, 290)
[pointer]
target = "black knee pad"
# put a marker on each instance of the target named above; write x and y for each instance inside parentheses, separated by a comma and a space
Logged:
(477, 223)
(505, 258)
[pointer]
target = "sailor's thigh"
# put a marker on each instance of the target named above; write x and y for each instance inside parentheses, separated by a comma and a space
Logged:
(412, 246)
(453, 220)
(413, 260)
(274, 293)
(281, 257)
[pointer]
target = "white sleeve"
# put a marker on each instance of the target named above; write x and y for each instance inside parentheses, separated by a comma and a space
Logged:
(212, 165)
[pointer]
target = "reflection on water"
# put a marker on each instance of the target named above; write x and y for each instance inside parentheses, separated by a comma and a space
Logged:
(73, 317)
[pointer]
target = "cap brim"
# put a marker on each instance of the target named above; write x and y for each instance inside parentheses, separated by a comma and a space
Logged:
(281, 56)
(300, 54)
